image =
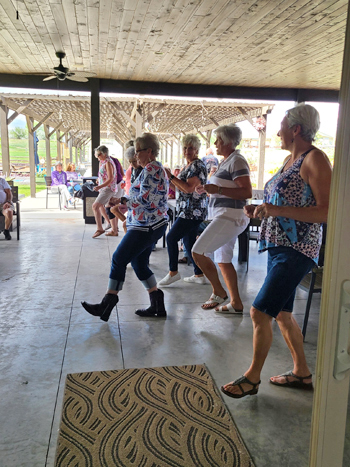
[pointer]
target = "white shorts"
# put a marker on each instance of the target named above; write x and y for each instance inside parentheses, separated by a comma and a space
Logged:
(220, 238)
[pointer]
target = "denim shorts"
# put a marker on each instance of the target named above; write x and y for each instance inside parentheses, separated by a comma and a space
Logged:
(285, 269)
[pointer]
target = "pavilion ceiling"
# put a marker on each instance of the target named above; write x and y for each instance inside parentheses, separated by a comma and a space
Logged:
(265, 43)
(169, 118)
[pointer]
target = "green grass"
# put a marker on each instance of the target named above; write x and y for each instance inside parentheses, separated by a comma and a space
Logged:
(19, 150)
(25, 189)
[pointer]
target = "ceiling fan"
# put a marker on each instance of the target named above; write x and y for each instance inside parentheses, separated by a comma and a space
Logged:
(61, 72)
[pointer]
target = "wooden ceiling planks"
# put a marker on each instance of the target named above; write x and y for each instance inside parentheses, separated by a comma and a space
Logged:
(270, 43)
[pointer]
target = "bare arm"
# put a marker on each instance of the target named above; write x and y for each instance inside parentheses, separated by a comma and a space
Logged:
(186, 187)
(317, 172)
(8, 195)
(243, 190)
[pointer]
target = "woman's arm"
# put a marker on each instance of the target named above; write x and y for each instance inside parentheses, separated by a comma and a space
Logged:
(317, 172)
(186, 187)
(243, 190)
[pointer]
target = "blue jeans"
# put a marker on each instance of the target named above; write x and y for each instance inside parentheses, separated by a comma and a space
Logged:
(187, 230)
(285, 269)
(135, 248)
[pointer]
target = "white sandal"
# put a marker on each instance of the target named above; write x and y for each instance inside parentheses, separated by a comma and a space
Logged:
(214, 301)
(230, 310)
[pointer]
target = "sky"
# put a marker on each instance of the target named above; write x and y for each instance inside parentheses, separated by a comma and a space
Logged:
(328, 113)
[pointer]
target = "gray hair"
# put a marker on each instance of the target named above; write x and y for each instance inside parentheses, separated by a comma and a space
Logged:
(102, 150)
(58, 163)
(149, 140)
(229, 134)
(307, 117)
(129, 143)
(130, 153)
(192, 140)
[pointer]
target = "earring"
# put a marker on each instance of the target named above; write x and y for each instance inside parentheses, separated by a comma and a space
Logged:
(292, 140)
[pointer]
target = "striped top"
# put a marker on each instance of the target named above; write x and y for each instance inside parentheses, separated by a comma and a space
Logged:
(229, 169)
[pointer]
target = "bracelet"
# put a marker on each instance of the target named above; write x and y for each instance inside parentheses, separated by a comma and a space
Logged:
(172, 177)
(123, 200)
(220, 190)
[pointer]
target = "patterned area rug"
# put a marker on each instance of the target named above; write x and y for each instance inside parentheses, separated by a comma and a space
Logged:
(149, 417)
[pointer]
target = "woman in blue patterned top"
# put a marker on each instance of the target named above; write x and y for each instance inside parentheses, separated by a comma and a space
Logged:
(191, 210)
(146, 223)
(295, 205)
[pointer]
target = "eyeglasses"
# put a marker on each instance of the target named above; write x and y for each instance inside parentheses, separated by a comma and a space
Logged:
(137, 151)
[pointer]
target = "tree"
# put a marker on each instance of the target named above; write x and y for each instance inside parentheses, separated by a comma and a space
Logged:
(18, 133)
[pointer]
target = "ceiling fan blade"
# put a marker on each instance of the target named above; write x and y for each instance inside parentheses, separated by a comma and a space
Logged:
(49, 77)
(85, 74)
(81, 79)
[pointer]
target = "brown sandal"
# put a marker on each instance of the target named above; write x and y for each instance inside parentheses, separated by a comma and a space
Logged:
(98, 233)
(112, 234)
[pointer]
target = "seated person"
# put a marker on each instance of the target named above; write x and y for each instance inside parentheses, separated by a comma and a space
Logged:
(72, 175)
(59, 180)
(6, 206)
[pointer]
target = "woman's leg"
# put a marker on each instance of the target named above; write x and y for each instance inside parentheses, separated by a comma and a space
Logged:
(175, 234)
(230, 277)
(189, 240)
(96, 207)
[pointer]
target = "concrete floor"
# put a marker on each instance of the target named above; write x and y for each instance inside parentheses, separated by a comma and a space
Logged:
(45, 334)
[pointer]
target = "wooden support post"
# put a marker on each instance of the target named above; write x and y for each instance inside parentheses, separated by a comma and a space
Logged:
(139, 121)
(59, 158)
(209, 132)
(76, 154)
(70, 146)
(5, 142)
(30, 125)
(261, 162)
(48, 153)
(171, 154)
(95, 122)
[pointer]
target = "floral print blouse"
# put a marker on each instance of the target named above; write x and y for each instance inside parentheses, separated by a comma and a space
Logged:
(193, 205)
(147, 201)
(289, 189)
(103, 176)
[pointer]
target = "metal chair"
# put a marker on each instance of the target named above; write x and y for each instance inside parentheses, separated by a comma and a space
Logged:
(312, 282)
(48, 181)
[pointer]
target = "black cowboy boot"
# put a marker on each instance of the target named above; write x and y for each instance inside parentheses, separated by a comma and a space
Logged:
(103, 309)
(157, 308)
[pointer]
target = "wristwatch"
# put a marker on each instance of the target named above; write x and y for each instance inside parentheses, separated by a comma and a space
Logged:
(172, 177)
(123, 200)
(220, 190)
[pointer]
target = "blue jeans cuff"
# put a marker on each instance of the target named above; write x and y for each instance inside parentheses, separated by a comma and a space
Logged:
(115, 285)
(150, 282)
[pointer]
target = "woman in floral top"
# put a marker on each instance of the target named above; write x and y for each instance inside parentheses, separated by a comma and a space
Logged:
(191, 210)
(146, 223)
(295, 205)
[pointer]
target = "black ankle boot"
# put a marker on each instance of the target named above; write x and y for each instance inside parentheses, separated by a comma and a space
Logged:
(157, 308)
(103, 309)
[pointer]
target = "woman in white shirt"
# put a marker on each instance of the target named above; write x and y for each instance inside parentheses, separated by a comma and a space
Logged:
(229, 188)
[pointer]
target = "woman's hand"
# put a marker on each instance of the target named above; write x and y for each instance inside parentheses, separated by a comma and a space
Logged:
(249, 210)
(211, 189)
(200, 189)
(266, 210)
(96, 188)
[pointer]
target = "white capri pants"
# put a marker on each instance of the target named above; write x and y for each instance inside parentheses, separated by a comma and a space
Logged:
(220, 238)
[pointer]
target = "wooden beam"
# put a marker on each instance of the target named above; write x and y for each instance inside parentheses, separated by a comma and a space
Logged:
(261, 162)
(30, 124)
(59, 157)
(214, 121)
(5, 142)
(151, 116)
(65, 133)
(19, 111)
(43, 120)
(48, 149)
(125, 115)
(55, 129)
(139, 121)
(246, 116)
